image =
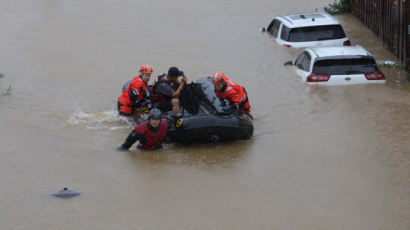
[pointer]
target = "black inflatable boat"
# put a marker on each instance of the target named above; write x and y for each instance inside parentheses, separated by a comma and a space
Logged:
(202, 118)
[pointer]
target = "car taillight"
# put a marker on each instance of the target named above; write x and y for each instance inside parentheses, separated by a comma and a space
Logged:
(375, 76)
(315, 77)
(347, 43)
(286, 45)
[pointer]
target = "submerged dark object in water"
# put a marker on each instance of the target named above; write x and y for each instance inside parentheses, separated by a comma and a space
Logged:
(66, 193)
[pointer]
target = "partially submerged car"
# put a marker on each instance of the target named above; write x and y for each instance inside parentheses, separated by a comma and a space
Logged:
(337, 65)
(306, 30)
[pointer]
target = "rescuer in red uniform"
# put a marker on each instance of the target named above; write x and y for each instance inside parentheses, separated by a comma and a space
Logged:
(150, 134)
(231, 91)
(134, 95)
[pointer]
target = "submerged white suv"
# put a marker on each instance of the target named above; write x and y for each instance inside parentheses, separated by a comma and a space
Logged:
(337, 65)
(307, 30)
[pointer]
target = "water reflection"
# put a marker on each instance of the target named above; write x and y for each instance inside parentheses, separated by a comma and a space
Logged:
(203, 156)
(319, 90)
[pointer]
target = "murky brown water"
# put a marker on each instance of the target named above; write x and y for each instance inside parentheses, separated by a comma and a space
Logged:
(321, 158)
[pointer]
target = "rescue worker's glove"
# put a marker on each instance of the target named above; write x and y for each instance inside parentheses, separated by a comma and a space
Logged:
(147, 104)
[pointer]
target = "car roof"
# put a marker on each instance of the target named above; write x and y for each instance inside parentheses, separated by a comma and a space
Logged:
(308, 19)
(339, 51)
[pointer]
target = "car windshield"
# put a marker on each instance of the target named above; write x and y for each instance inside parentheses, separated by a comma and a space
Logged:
(315, 33)
(345, 66)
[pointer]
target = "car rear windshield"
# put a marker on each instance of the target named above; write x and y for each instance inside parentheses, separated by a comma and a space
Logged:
(312, 33)
(345, 66)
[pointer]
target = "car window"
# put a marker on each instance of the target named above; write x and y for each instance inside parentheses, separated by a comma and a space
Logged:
(284, 34)
(314, 33)
(299, 60)
(306, 62)
(275, 29)
(345, 66)
(269, 29)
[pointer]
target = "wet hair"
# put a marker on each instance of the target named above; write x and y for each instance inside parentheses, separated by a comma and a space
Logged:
(174, 72)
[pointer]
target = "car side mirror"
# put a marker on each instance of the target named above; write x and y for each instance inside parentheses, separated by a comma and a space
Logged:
(288, 63)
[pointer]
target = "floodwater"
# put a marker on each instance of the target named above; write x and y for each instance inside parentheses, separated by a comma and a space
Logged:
(321, 157)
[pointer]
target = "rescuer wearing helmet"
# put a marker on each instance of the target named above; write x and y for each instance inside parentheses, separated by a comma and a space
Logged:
(167, 89)
(150, 134)
(134, 95)
(231, 91)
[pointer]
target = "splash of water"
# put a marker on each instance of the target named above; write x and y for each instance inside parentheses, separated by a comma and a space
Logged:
(106, 120)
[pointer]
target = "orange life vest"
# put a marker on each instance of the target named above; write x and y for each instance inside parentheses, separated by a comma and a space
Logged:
(134, 93)
(235, 94)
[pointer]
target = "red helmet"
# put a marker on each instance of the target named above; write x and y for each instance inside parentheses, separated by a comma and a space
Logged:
(218, 77)
(145, 69)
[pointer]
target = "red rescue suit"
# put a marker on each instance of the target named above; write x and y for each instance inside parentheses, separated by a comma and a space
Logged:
(150, 138)
(235, 94)
(132, 95)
